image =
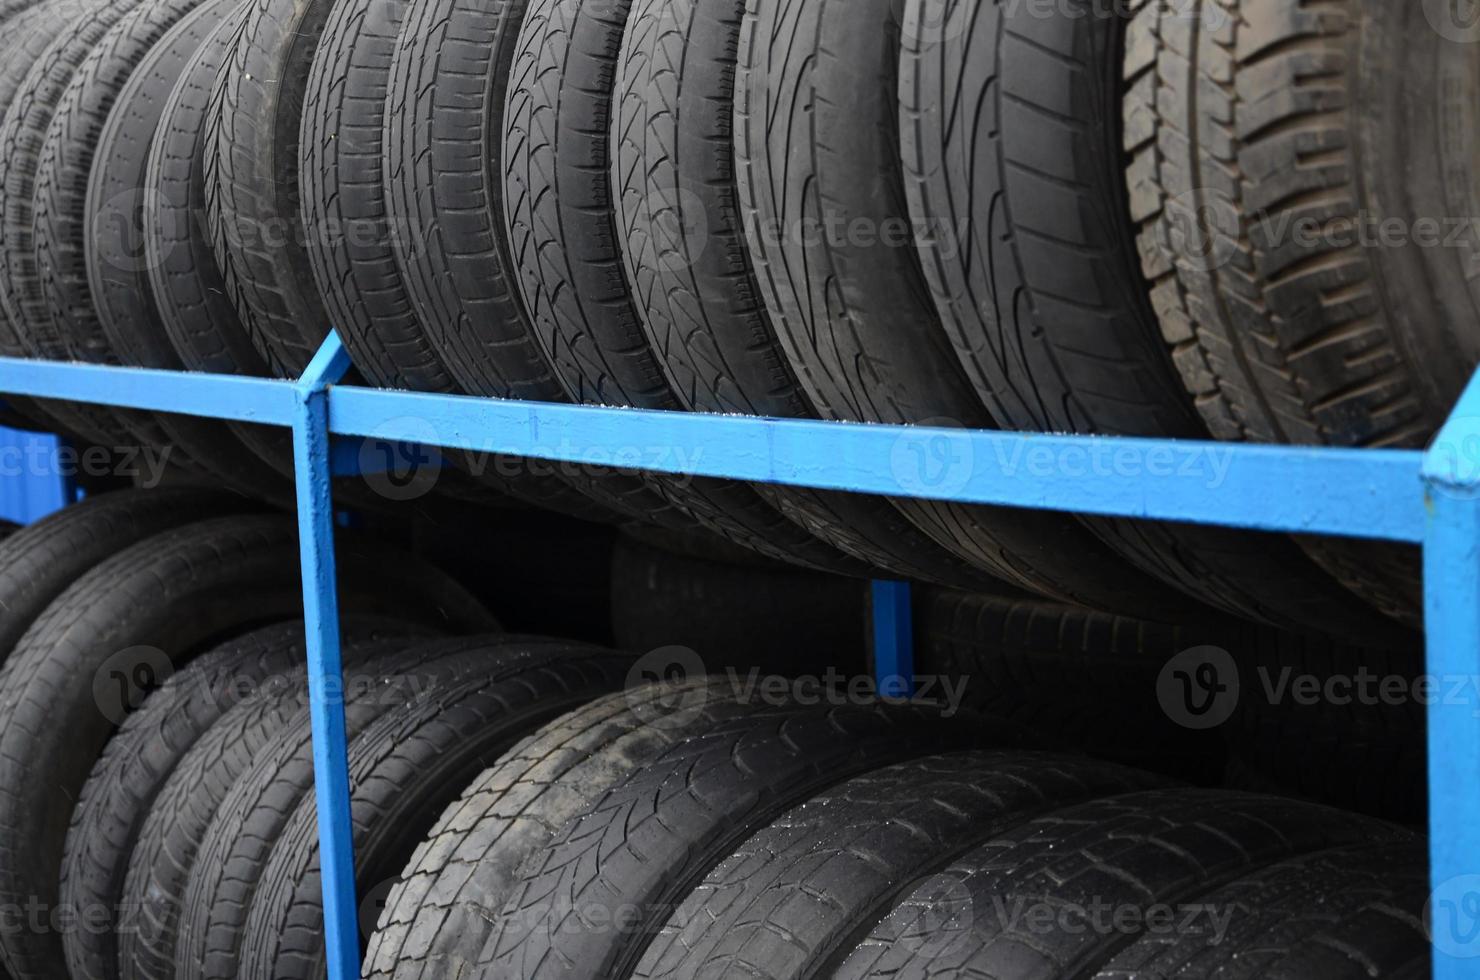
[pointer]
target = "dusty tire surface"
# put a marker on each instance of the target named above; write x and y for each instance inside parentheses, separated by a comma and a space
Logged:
(140, 758)
(817, 142)
(1010, 139)
(1136, 850)
(1286, 323)
(406, 769)
(792, 899)
(648, 842)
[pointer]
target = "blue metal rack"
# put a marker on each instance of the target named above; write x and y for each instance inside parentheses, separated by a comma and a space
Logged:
(1431, 499)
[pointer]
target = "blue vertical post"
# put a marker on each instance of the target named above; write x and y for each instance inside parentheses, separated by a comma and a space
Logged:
(311, 460)
(1451, 475)
(894, 639)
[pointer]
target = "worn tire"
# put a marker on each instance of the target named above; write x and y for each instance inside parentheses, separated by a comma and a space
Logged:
(43, 560)
(251, 167)
(1010, 139)
(650, 840)
(816, 139)
(1133, 851)
(196, 313)
(565, 247)
(1286, 324)
(140, 758)
(125, 616)
(792, 898)
(406, 769)
(349, 236)
(377, 676)
(110, 316)
(38, 31)
(235, 849)
(1349, 913)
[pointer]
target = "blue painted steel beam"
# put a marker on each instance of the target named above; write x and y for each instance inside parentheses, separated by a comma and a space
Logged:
(1372, 494)
(311, 460)
(1451, 473)
(263, 400)
(894, 639)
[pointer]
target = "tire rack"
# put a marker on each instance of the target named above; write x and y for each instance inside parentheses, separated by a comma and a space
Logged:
(1428, 498)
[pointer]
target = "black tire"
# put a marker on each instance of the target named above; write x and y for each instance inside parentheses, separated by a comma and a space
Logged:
(406, 769)
(251, 168)
(349, 236)
(1317, 338)
(1350, 913)
(236, 847)
(699, 301)
(565, 247)
(792, 899)
(1078, 680)
(66, 242)
(817, 139)
(126, 618)
(32, 33)
(1135, 851)
(143, 754)
(651, 840)
(435, 920)
(195, 311)
(109, 316)
(40, 562)
(442, 144)
(378, 676)
(1011, 146)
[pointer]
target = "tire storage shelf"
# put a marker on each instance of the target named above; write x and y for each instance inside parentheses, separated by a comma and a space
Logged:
(1428, 498)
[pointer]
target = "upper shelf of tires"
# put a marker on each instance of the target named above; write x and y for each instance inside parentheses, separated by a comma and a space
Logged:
(1245, 219)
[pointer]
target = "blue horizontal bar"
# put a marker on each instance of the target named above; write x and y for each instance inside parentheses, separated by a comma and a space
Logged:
(263, 400)
(1373, 494)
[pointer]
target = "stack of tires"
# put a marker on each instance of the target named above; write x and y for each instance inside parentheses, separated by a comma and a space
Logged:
(535, 807)
(1079, 216)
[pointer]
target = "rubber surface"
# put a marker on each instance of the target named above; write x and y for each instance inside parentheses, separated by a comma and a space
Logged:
(109, 315)
(436, 918)
(195, 312)
(792, 899)
(234, 853)
(650, 841)
(140, 758)
(1287, 322)
(1010, 139)
(377, 677)
(101, 643)
(1138, 851)
(251, 167)
(405, 769)
(816, 145)
(41, 561)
